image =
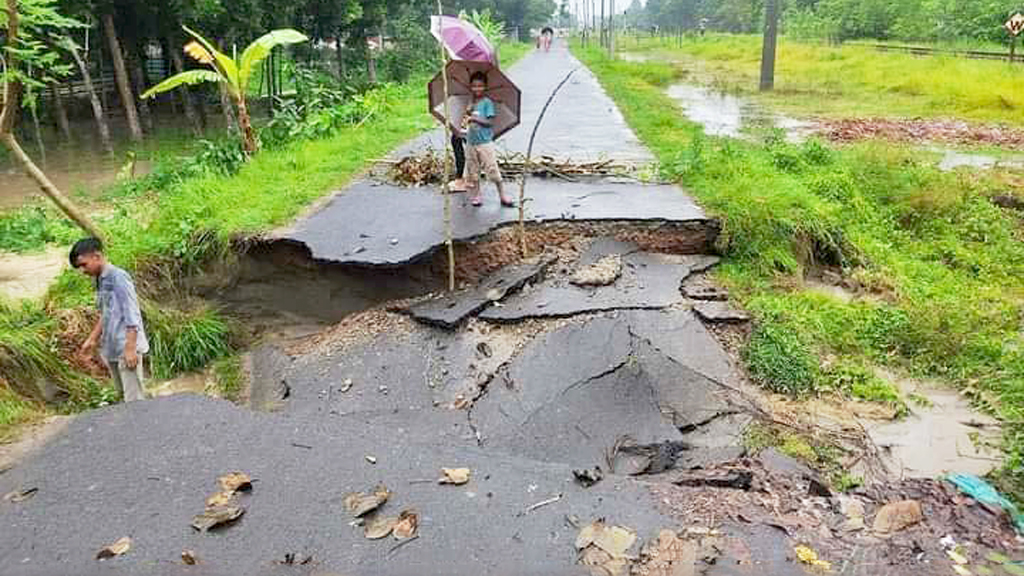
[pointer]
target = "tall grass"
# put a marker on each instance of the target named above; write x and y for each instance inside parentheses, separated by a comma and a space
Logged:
(851, 80)
(939, 264)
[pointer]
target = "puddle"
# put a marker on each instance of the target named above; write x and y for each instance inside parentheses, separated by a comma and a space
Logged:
(952, 159)
(191, 383)
(27, 276)
(731, 116)
(947, 436)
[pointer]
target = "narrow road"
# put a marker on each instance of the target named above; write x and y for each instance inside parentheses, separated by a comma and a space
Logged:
(358, 225)
(382, 399)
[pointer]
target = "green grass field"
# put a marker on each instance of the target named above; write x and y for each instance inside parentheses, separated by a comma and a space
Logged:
(939, 266)
(815, 79)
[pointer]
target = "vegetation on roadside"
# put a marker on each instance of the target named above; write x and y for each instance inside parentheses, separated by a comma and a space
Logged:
(849, 80)
(936, 264)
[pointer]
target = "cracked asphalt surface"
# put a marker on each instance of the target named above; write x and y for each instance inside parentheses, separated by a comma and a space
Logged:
(520, 402)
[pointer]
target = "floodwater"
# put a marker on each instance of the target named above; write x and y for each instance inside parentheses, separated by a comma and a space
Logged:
(28, 276)
(947, 436)
(952, 159)
(731, 116)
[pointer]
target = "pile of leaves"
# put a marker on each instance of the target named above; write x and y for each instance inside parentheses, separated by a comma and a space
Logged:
(917, 130)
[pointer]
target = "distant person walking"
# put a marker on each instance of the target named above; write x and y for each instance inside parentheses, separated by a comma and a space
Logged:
(481, 154)
(118, 333)
(546, 36)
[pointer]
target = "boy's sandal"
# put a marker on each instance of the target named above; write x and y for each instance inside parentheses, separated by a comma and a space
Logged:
(508, 203)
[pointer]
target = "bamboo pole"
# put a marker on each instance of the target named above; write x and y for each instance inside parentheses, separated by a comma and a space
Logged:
(447, 160)
(529, 153)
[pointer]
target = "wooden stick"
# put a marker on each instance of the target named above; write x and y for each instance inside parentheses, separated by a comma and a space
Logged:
(447, 160)
(529, 152)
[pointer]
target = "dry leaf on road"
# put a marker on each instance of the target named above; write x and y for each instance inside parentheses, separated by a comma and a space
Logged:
(116, 549)
(603, 548)
(669, 555)
(455, 476)
(189, 557)
(378, 527)
(359, 503)
(235, 482)
(219, 499)
(20, 495)
(896, 516)
(218, 516)
(406, 525)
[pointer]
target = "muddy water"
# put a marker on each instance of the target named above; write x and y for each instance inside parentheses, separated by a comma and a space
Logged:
(71, 170)
(27, 276)
(953, 159)
(730, 116)
(944, 437)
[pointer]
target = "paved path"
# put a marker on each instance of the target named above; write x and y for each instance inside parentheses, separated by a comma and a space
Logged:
(582, 123)
(375, 223)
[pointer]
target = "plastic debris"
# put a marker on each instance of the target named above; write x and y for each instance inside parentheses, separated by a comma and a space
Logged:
(984, 492)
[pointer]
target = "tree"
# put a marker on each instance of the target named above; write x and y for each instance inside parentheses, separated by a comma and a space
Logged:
(232, 75)
(26, 24)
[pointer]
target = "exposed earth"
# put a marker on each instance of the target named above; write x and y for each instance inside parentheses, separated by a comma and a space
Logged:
(592, 380)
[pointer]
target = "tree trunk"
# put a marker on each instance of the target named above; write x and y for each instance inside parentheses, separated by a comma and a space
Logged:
(371, 65)
(186, 95)
(225, 106)
(121, 76)
(97, 108)
(139, 80)
(61, 112)
(249, 143)
(38, 133)
(339, 50)
(66, 206)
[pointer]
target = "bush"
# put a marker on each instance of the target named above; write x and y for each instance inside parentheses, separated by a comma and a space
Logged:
(184, 340)
(779, 360)
(33, 227)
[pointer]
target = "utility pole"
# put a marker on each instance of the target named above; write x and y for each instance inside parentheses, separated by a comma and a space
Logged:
(603, 39)
(611, 28)
(771, 33)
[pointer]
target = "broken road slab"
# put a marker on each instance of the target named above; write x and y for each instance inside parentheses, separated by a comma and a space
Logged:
(647, 281)
(450, 310)
(357, 226)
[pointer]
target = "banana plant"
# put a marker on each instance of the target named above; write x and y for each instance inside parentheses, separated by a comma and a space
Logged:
(234, 75)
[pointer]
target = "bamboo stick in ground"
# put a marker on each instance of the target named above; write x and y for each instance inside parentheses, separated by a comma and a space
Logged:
(447, 161)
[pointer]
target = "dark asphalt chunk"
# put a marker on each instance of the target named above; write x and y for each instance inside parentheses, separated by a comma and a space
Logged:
(450, 310)
(720, 313)
(356, 226)
(95, 487)
(682, 337)
(701, 288)
(647, 281)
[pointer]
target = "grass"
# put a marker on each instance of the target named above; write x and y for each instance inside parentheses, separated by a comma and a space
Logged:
(938, 263)
(850, 80)
(230, 377)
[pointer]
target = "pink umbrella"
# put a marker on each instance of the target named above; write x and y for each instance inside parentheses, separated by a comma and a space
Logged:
(462, 39)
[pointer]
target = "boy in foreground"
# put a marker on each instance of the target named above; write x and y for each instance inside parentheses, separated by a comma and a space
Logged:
(480, 151)
(118, 332)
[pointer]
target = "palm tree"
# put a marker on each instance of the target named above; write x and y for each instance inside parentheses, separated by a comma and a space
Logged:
(234, 76)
